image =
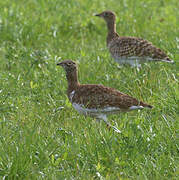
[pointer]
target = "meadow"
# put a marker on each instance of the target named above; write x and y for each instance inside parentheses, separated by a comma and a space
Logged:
(41, 135)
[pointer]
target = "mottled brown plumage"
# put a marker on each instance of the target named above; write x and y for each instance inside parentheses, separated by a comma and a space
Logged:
(97, 100)
(99, 97)
(130, 49)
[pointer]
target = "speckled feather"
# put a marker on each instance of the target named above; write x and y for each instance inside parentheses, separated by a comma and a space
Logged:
(96, 96)
(99, 96)
(97, 100)
(132, 46)
(126, 47)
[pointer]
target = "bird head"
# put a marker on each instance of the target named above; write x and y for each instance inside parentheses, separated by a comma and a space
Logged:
(107, 16)
(68, 65)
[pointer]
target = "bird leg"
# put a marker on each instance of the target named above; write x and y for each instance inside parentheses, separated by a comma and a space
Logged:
(109, 126)
(114, 128)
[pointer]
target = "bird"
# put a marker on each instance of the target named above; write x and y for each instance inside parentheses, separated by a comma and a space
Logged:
(96, 100)
(130, 50)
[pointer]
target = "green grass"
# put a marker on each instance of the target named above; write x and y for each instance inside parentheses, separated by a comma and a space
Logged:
(39, 140)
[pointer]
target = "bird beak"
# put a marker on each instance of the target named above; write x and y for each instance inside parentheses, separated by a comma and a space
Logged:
(59, 64)
(99, 15)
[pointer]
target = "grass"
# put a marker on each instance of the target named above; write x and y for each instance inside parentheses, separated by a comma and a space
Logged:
(41, 135)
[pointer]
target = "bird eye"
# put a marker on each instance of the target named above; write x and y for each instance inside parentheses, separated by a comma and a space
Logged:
(105, 14)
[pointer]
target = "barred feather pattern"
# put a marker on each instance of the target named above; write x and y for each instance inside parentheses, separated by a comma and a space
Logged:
(125, 49)
(138, 47)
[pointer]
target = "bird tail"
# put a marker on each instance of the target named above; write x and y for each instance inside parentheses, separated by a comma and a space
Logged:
(168, 60)
(146, 105)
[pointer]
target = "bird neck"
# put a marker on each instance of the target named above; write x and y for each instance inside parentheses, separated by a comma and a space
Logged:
(111, 26)
(111, 30)
(72, 79)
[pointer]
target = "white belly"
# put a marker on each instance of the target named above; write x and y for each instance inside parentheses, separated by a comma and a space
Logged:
(95, 112)
(103, 111)
(133, 61)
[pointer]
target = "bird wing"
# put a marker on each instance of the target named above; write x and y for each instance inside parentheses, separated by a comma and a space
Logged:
(99, 96)
(132, 46)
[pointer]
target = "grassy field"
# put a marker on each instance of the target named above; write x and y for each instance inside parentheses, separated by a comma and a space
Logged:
(41, 135)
